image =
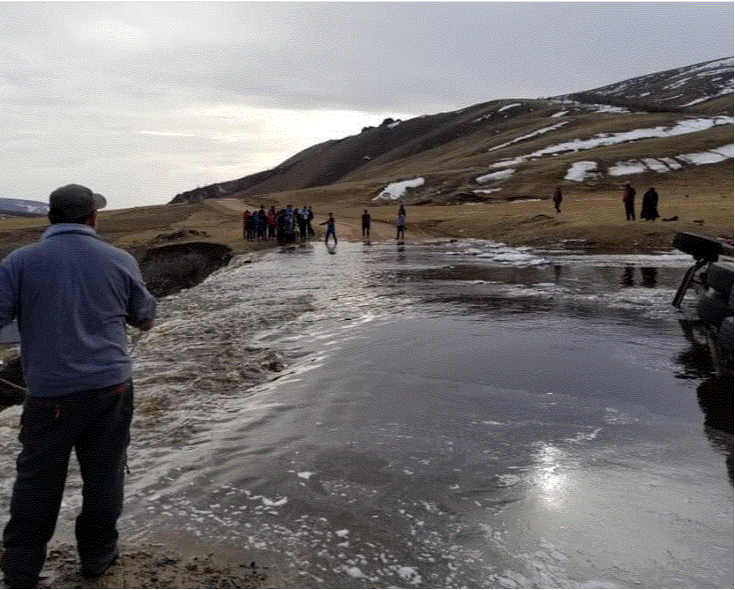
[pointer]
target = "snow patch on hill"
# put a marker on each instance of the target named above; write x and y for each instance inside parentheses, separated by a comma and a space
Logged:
(587, 107)
(499, 175)
(709, 157)
(396, 190)
(682, 127)
(586, 170)
(509, 106)
(668, 164)
(536, 133)
(626, 168)
(582, 170)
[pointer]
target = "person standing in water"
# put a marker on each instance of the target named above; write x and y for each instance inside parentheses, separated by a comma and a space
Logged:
(365, 224)
(401, 223)
(330, 229)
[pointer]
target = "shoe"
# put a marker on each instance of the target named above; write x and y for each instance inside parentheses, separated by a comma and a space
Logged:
(96, 569)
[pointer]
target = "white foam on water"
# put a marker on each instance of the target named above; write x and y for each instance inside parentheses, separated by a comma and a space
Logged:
(584, 436)
(497, 252)
(508, 480)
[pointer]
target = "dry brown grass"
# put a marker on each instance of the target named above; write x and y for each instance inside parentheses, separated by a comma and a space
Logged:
(593, 215)
(700, 196)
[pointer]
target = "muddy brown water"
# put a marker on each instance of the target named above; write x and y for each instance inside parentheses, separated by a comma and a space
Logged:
(453, 414)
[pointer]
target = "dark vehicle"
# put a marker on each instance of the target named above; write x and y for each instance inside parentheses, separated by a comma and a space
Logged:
(709, 319)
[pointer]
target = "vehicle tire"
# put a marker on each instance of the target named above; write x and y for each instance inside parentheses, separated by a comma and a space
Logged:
(700, 247)
(713, 307)
(725, 335)
(720, 277)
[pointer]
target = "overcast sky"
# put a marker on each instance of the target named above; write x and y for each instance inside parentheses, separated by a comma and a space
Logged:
(141, 101)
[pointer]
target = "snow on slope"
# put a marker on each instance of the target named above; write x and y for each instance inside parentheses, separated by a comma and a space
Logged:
(676, 87)
(396, 190)
(585, 169)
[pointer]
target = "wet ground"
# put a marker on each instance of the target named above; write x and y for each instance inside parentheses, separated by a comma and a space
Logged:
(455, 414)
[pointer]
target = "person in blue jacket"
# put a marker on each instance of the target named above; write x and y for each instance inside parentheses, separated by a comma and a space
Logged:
(330, 229)
(73, 295)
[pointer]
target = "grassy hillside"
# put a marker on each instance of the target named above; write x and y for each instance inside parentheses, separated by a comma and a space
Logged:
(451, 151)
(489, 171)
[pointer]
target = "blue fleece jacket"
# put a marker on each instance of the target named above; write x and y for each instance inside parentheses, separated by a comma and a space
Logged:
(73, 294)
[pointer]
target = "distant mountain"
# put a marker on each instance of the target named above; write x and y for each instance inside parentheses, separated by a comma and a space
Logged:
(669, 127)
(22, 208)
(681, 88)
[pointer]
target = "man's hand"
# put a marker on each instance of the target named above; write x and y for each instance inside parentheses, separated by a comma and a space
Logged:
(144, 325)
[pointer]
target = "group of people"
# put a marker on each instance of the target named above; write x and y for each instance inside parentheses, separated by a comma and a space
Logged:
(284, 225)
(292, 223)
(649, 205)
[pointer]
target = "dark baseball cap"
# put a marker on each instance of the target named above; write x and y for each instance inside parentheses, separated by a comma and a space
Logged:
(74, 201)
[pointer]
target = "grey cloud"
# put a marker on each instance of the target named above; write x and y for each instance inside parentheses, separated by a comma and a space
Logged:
(411, 56)
(403, 56)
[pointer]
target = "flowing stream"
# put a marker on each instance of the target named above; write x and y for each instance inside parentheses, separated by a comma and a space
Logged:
(449, 414)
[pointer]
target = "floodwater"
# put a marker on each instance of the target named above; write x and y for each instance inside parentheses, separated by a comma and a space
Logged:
(443, 415)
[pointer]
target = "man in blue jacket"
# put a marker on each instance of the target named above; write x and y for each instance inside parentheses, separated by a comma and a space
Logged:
(72, 295)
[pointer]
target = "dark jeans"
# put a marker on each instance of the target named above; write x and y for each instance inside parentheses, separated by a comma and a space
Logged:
(630, 211)
(97, 425)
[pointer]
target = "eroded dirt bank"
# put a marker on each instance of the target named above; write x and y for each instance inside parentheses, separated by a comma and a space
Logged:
(170, 268)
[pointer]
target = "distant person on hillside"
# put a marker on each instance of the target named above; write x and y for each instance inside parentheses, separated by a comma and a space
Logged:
(330, 229)
(401, 223)
(557, 199)
(649, 207)
(365, 224)
(629, 202)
